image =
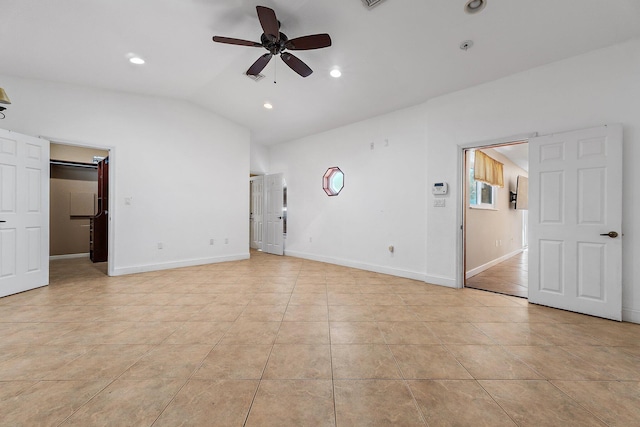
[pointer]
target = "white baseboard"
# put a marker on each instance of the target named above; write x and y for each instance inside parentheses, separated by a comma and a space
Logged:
(177, 264)
(630, 315)
(68, 256)
(359, 265)
(492, 263)
(441, 281)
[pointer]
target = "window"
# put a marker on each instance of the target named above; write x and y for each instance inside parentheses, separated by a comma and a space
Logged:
(333, 181)
(481, 194)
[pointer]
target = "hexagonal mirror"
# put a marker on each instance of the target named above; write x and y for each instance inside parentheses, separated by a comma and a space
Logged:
(333, 181)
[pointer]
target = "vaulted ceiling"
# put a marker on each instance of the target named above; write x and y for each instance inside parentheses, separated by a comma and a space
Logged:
(397, 54)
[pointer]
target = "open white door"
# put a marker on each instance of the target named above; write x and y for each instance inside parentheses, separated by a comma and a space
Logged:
(274, 187)
(256, 219)
(24, 212)
(575, 210)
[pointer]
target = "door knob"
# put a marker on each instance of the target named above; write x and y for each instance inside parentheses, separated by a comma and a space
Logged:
(611, 234)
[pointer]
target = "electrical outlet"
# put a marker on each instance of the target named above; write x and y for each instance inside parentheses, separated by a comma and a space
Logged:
(226, 241)
(127, 200)
(310, 239)
(211, 242)
(439, 203)
(372, 145)
(160, 245)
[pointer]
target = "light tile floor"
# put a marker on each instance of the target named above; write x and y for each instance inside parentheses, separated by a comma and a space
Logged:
(510, 277)
(278, 341)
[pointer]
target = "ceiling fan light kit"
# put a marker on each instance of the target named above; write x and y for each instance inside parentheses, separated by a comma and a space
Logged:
(276, 43)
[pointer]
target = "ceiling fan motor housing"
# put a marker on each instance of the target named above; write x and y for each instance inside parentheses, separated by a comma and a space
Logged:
(272, 46)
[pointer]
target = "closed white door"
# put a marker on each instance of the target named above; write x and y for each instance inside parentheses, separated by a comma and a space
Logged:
(575, 211)
(256, 220)
(24, 212)
(273, 218)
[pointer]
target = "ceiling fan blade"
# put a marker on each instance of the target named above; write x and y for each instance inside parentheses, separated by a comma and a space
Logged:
(269, 23)
(315, 41)
(259, 65)
(296, 64)
(229, 40)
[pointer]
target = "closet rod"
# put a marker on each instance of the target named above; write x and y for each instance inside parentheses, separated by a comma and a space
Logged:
(74, 164)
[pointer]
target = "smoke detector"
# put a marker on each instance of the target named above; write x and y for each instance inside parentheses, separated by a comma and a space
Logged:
(466, 45)
(371, 3)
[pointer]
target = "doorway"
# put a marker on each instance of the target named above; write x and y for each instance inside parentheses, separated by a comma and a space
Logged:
(268, 213)
(495, 254)
(79, 208)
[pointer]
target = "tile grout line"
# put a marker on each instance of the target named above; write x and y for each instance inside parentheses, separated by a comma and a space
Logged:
(404, 379)
(576, 402)
(275, 338)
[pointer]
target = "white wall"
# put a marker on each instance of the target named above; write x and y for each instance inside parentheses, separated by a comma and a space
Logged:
(185, 169)
(259, 163)
(382, 202)
(387, 197)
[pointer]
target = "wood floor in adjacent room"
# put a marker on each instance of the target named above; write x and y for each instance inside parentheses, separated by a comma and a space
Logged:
(510, 277)
(279, 341)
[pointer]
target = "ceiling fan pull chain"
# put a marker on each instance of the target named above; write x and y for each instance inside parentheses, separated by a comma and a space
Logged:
(275, 72)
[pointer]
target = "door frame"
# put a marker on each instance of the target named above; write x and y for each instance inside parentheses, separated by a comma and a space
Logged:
(252, 177)
(461, 212)
(268, 204)
(112, 193)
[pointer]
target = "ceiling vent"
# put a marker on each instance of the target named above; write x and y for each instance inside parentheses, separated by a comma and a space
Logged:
(255, 78)
(371, 3)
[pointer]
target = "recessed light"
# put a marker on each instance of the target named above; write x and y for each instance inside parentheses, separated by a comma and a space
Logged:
(475, 6)
(268, 106)
(135, 59)
(335, 73)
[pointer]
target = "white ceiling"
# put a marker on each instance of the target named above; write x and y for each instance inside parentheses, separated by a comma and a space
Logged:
(517, 153)
(398, 54)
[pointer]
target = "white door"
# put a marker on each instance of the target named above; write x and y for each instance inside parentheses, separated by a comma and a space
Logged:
(24, 212)
(575, 201)
(273, 218)
(256, 216)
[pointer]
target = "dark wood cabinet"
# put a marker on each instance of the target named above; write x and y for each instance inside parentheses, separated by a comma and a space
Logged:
(99, 227)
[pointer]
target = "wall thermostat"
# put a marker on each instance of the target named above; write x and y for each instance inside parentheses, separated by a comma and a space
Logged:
(440, 188)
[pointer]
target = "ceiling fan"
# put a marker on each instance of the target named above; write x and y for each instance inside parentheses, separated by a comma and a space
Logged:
(276, 43)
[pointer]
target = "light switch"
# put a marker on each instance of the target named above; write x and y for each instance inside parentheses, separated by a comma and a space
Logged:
(439, 203)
